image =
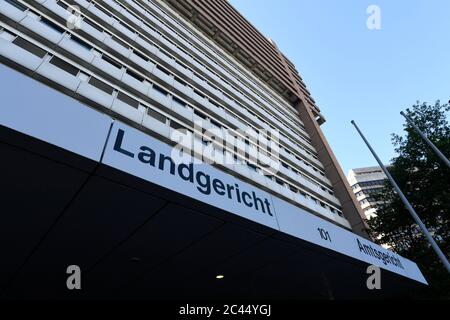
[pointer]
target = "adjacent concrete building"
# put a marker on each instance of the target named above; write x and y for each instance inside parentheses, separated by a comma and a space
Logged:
(364, 183)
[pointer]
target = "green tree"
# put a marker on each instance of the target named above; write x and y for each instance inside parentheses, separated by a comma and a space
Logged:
(425, 180)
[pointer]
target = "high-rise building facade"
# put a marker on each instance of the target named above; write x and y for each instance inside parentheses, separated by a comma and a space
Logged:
(150, 80)
(147, 62)
(365, 182)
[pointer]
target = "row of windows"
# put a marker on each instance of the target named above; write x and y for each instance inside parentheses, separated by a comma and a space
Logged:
(369, 172)
(25, 44)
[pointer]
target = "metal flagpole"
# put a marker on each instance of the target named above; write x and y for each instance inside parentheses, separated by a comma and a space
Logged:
(407, 204)
(424, 137)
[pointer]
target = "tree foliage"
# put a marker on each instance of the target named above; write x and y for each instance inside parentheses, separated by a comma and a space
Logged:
(425, 181)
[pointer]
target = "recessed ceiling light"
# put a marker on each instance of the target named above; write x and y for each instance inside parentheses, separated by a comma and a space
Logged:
(220, 276)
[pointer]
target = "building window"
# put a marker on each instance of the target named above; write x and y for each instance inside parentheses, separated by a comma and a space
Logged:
(140, 55)
(92, 24)
(179, 101)
(133, 74)
(103, 10)
(176, 125)
(201, 95)
(30, 47)
(180, 81)
(8, 36)
(215, 123)
(82, 43)
(163, 70)
(101, 85)
(160, 90)
(199, 114)
(52, 25)
(111, 61)
(62, 5)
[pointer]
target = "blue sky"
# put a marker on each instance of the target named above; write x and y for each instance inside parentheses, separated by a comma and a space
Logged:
(357, 73)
